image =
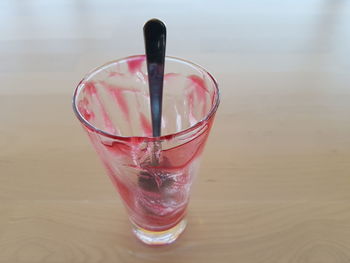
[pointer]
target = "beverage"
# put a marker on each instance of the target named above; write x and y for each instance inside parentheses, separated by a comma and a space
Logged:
(153, 176)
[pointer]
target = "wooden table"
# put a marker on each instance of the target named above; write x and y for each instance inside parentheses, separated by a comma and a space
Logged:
(275, 180)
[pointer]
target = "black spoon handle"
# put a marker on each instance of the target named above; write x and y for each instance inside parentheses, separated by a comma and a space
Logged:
(155, 39)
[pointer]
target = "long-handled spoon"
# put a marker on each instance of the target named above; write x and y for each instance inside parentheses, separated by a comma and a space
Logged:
(155, 40)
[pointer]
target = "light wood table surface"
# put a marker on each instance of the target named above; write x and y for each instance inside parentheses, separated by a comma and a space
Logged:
(274, 185)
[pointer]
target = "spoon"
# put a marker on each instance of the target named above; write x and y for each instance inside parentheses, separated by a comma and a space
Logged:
(155, 40)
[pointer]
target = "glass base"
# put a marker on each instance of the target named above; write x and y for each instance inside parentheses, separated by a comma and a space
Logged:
(157, 238)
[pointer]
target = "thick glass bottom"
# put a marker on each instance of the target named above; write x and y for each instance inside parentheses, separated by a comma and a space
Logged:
(157, 238)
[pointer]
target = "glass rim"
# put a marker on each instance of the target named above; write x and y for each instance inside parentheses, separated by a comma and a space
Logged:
(193, 127)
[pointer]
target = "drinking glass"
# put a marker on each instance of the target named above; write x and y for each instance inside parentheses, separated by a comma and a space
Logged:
(153, 176)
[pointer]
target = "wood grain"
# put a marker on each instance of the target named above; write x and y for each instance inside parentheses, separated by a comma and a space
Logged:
(274, 184)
